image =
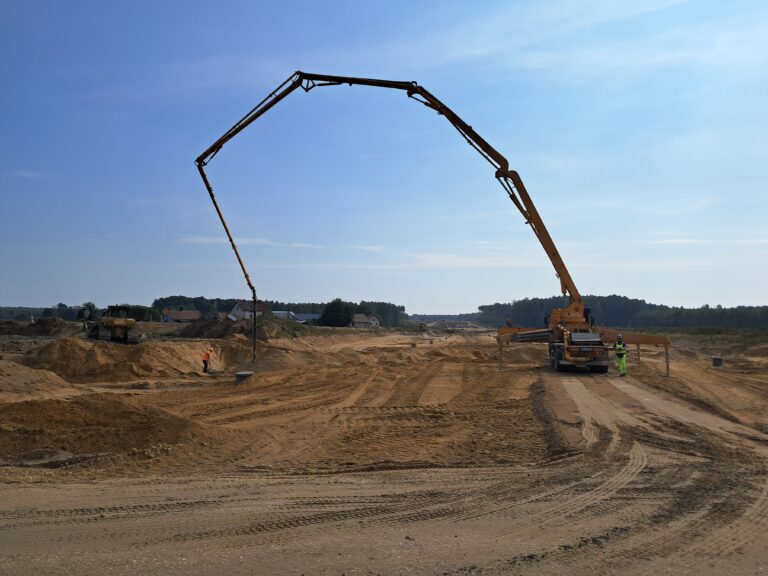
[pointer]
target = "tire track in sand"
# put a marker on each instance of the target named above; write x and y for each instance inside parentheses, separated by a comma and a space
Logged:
(592, 409)
(568, 506)
(731, 536)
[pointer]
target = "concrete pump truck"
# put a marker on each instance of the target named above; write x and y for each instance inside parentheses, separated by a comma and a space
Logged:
(573, 340)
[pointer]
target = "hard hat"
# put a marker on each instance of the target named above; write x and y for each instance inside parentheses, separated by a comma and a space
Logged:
(619, 336)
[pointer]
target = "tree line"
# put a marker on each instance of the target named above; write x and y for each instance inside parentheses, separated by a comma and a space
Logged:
(388, 314)
(86, 310)
(201, 303)
(623, 312)
(613, 310)
(340, 313)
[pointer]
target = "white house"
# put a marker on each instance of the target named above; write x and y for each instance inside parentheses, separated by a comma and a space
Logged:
(244, 310)
(364, 321)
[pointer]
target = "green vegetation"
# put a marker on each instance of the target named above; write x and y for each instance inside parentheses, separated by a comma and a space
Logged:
(60, 310)
(143, 313)
(201, 303)
(337, 313)
(620, 311)
(74, 313)
(389, 314)
(296, 307)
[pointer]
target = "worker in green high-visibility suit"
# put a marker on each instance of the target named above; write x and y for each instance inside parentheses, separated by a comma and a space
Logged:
(621, 355)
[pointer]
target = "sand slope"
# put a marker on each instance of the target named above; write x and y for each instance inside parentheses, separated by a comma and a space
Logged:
(79, 360)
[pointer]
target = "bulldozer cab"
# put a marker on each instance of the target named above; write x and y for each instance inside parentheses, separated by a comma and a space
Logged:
(116, 312)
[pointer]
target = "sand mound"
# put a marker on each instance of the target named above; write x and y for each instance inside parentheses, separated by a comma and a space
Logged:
(514, 353)
(218, 329)
(19, 382)
(88, 424)
(89, 361)
(525, 354)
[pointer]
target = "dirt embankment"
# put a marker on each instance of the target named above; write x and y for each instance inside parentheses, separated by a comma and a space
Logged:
(40, 327)
(79, 360)
(95, 424)
(267, 328)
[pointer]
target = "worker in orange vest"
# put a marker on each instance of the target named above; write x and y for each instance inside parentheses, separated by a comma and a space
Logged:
(207, 359)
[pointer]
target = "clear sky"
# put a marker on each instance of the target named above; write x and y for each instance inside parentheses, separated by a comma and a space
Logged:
(639, 129)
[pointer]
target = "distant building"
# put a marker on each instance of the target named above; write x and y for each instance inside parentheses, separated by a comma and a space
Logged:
(184, 315)
(364, 321)
(244, 310)
(284, 315)
(304, 317)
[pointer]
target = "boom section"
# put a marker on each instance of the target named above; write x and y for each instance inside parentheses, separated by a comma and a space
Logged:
(509, 179)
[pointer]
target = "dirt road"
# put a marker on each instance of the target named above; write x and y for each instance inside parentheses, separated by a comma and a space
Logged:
(409, 457)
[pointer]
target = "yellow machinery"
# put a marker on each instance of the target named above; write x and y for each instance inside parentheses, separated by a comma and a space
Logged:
(572, 339)
(115, 325)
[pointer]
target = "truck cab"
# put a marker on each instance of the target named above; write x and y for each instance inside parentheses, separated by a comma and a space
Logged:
(579, 349)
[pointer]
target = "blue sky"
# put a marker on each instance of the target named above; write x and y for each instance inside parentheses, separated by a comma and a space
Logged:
(639, 129)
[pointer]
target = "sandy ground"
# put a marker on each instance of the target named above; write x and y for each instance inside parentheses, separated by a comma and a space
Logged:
(379, 453)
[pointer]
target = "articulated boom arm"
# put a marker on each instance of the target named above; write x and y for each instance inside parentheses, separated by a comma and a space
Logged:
(509, 179)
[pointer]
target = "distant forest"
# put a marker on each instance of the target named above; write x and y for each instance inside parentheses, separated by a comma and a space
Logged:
(617, 311)
(623, 312)
(73, 313)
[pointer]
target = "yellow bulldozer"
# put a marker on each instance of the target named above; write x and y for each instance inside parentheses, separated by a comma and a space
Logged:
(115, 324)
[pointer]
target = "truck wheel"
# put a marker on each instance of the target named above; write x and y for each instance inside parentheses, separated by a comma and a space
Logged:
(556, 363)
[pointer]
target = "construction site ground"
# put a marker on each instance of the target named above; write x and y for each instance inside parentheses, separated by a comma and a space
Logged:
(379, 452)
